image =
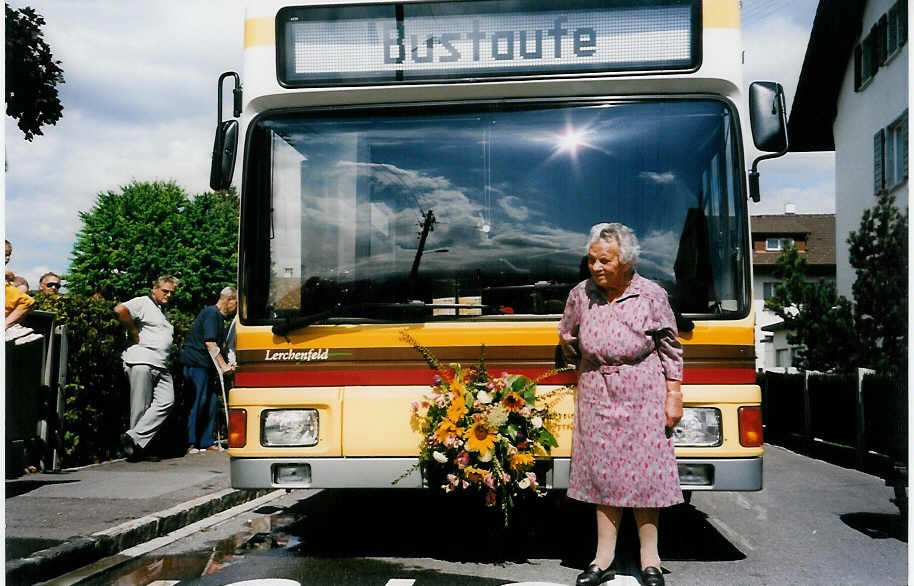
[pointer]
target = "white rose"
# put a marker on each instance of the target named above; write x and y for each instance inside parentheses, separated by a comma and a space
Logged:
(439, 457)
(524, 483)
(537, 421)
(487, 457)
(484, 397)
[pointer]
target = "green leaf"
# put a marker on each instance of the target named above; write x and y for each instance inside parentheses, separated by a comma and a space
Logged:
(529, 394)
(547, 439)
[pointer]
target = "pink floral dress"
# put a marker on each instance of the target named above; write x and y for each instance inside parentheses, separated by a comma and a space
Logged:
(620, 455)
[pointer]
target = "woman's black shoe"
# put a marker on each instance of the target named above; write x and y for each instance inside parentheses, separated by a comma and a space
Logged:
(652, 576)
(593, 576)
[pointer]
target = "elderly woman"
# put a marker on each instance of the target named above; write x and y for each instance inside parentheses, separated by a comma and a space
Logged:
(620, 328)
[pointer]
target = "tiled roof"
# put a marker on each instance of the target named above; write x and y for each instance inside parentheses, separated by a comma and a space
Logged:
(818, 230)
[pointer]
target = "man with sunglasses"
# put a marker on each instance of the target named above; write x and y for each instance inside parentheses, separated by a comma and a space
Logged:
(152, 392)
(49, 283)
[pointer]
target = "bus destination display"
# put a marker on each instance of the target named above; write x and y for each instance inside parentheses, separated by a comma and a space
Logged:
(434, 41)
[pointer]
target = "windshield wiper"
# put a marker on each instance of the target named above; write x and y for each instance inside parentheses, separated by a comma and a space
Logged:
(284, 325)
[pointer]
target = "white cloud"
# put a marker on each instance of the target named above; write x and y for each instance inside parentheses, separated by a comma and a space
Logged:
(514, 208)
(139, 104)
(774, 51)
(661, 178)
(806, 180)
(815, 199)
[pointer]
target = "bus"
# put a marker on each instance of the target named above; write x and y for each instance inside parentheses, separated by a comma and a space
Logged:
(434, 167)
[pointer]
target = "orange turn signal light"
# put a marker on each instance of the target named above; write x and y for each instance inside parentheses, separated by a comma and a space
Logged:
(750, 426)
(238, 428)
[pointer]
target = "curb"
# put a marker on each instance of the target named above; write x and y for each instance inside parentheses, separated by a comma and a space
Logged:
(79, 551)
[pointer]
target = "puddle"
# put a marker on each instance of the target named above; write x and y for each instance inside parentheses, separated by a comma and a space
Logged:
(262, 534)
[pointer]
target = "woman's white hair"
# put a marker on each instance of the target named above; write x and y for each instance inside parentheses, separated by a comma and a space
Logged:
(622, 235)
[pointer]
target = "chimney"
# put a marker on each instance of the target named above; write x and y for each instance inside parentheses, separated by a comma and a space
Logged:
(790, 209)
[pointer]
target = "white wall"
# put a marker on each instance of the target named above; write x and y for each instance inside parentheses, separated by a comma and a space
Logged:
(765, 351)
(779, 343)
(860, 115)
(763, 317)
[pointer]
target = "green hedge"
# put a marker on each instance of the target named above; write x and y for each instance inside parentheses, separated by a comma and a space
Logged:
(96, 396)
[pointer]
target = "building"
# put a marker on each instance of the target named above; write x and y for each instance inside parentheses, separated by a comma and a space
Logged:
(852, 98)
(814, 237)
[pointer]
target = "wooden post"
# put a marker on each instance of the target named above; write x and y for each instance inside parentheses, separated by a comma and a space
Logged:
(807, 415)
(861, 421)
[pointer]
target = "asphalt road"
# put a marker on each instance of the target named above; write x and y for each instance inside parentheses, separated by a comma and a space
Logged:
(813, 523)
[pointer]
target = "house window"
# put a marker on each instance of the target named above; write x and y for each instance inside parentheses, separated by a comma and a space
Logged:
(782, 357)
(865, 61)
(890, 154)
(778, 243)
(897, 28)
(887, 36)
(768, 289)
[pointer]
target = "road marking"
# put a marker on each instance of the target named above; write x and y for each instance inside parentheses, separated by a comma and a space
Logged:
(400, 582)
(266, 582)
(730, 533)
(620, 580)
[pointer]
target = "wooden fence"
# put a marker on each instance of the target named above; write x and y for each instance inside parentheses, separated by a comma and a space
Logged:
(857, 421)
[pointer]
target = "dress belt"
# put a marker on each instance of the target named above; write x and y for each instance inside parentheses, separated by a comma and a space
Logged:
(613, 368)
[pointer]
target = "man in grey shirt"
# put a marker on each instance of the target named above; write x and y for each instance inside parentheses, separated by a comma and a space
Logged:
(152, 391)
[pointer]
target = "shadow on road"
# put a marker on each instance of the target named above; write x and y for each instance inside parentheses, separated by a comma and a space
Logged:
(408, 523)
(877, 525)
(19, 487)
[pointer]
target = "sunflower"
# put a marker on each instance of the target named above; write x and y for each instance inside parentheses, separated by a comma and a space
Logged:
(513, 402)
(458, 387)
(475, 475)
(479, 438)
(521, 461)
(446, 429)
(457, 409)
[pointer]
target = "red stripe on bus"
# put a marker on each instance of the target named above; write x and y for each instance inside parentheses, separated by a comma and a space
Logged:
(324, 378)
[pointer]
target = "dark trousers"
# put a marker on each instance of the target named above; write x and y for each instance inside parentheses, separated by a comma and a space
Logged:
(202, 416)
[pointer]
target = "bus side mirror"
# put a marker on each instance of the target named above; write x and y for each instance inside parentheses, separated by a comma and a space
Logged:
(768, 117)
(226, 144)
(224, 148)
(766, 113)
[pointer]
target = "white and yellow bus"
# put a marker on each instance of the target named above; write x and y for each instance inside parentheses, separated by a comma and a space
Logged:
(434, 167)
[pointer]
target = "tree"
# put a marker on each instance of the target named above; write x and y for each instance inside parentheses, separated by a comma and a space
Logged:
(131, 237)
(32, 74)
(820, 322)
(879, 253)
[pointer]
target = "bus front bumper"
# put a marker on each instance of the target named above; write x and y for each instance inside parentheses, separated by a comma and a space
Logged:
(723, 474)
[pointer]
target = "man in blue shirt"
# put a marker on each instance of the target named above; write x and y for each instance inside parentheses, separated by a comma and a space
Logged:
(200, 357)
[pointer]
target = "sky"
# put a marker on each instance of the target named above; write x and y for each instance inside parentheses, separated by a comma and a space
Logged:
(140, 104)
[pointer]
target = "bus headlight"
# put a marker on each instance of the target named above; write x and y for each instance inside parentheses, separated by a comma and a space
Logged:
(289, 427)
(699, 427)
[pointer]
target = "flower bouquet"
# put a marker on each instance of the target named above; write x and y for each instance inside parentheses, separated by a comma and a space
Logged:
(482, 433)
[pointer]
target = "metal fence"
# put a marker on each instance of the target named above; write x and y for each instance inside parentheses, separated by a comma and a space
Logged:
(35, 372)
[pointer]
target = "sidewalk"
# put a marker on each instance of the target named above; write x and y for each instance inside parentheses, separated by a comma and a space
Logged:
(58, 522)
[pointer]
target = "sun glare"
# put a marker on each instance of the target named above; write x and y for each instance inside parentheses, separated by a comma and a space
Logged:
(571, 140)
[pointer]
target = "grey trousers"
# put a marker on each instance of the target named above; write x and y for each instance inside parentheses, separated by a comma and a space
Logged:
(152, 394)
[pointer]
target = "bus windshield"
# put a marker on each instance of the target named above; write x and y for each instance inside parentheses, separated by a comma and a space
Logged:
(482, 211)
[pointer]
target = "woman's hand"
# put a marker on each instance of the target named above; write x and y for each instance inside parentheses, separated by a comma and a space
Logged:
(673, 406)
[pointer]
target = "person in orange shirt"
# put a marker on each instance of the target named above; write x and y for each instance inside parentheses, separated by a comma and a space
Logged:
(17, 302)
